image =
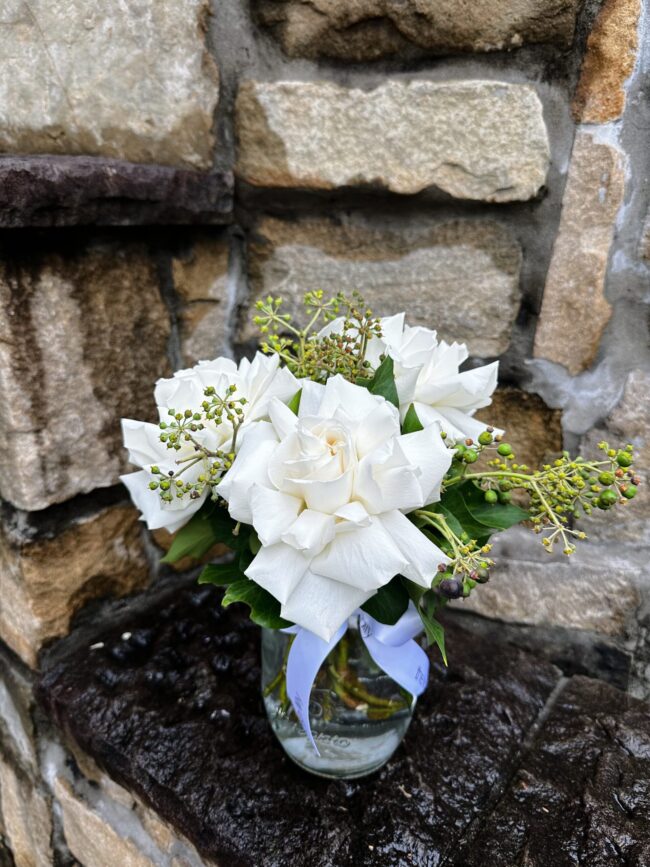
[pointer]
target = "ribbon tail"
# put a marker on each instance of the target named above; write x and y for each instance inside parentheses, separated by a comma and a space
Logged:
(307, 654)
(405, 662)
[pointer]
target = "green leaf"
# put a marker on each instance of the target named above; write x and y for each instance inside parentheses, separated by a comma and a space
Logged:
(211, 524)
(435, 632)
(264, 608)
(498, 516)
(383, 382)
(453, 506)
(389, 602)
(196, 538)
(220, 574)
(294, 403)
(412, 423)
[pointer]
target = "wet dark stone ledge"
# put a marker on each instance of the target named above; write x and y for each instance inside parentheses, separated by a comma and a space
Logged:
(46, 191)
(506, 763)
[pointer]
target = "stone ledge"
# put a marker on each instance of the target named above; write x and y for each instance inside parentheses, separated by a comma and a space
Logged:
(182, 692)
(68, 190)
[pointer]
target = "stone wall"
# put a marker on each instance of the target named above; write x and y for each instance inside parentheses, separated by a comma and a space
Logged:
(161, 165)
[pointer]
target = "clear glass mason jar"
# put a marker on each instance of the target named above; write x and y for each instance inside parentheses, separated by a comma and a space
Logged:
(358, 714)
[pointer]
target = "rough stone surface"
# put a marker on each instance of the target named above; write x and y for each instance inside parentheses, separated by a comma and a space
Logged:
(201, 281)
(587, 778)
(43, 583)
(591, 591)
(395, 265)
(368, 29)
(480, 140)
(83, 336)
(70, 191)
(133, 82)
(608, 63)
(92, 841)
(629, 422)
(532, 428)
(146, 707)
(574, 310)
(17, 732)
(645, 239)
(26, 819)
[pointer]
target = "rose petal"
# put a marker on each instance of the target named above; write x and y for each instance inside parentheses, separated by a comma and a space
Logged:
(426, 450)
(170, 516)
(310, 532)
(423, 557)
(322, 605)
(272, 513)
(278, 569)
(250, 467)
(365, 558)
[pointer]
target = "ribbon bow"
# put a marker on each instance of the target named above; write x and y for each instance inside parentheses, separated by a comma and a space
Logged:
(391, 647)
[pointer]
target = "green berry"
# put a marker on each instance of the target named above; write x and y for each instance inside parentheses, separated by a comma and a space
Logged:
(165, 485)
(460, 450)
(606, 479)
(491, 497)
(470, 456)
(504, 450)
(623, 459)
(606, 500)
(485, 438)
(630, 492)
(504, 497)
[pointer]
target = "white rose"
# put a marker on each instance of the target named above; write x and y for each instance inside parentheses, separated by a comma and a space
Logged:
(326, 492)
(427, 375)
(259, 382)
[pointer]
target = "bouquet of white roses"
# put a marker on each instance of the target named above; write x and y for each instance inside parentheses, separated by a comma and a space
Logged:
(344, 467)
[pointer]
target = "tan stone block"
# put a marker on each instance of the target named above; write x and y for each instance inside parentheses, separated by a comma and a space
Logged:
(459, 277)
(125, 80)
(575, 310)
(629, 422)
(26, 818)
(533, 429)
(480, 140)
(43, 583)
(83, 337)
(608, 62)
(584, 592)
(201, 280)
(367, 29)
(90, 838)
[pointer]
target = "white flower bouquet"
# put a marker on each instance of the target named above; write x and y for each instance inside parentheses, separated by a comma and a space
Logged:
(344, 467)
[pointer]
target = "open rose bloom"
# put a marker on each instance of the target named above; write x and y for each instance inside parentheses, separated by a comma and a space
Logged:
(345, 468)
(327, 492)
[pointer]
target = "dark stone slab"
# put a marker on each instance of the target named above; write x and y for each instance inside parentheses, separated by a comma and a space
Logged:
(68, 191)
(174, 714)
(582, 793)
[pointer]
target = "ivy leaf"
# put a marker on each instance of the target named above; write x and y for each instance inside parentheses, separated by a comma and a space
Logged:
(426, 605)
(498, 516)
(211, 524)
(220, 574)
(454, 508)
(383, 382)
(412, 423)
(294, 403)
(389, 602)
(435, 632)
(264, 608)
